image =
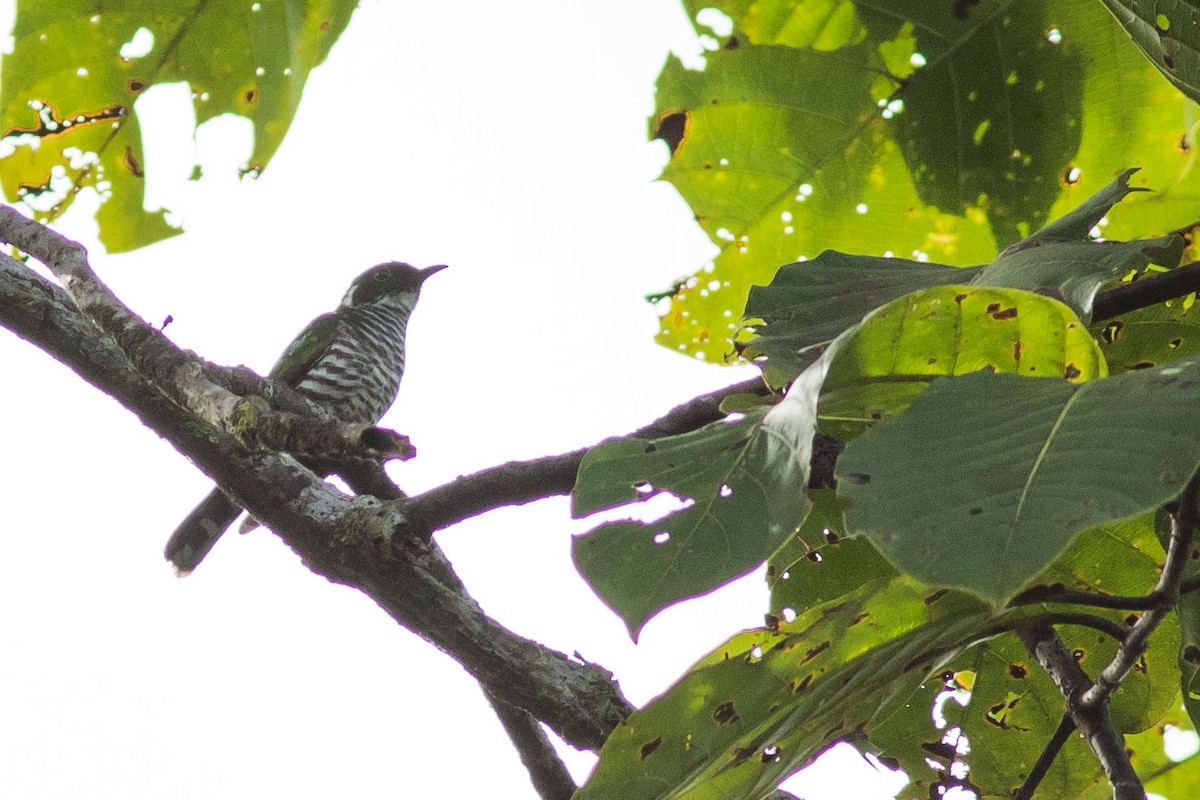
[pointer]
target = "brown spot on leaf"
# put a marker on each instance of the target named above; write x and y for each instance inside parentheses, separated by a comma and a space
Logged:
(1184, 145)
(962, 8)
(1071, 372)
(50, 124)
(1007, 313)
(930, 599)
(1111, 331)
(649, 747)
(1131, 619)
(993, 308)
(672, 128)
(1174, 343)
(135, 85)
(975, 511)
(1191, 654)
(1017, 348)
(857, 620)
(733, 43)
(1017, 672)
(770, 754)
(831, 536)
(1142, 365)
(816, 651)
(889, 762)
(803, 684)
(725, 715)
(250, 96)
(131, 163)
(1169, 60)
(958, 298)
(1078, 653)
(938, 749)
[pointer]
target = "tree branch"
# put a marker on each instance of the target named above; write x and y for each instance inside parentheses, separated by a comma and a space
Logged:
(1065, 728)
(1183, 527)
(1164, 286)
(1094, 723)
(546, 770)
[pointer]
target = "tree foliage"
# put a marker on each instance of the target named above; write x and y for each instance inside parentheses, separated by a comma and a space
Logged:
(952, 234)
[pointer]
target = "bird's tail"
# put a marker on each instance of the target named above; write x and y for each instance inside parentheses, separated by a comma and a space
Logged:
(197, 534)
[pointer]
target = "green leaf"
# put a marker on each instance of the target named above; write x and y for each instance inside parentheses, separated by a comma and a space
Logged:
(950, 330)
(767, 702)
(807, 304)
(66, 87)
(1002, 472)
(1150, 336)
(1169, 35)
(819, 563)
(778, 149)
(742, 483)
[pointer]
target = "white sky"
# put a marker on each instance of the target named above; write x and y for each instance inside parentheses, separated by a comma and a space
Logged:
(508, 142)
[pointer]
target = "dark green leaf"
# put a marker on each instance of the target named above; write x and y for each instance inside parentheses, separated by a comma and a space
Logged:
(986, 478)
(742, 484)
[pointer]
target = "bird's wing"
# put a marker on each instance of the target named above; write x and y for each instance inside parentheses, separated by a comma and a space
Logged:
(305, 349)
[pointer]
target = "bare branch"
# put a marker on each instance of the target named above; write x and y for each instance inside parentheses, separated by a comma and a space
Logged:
(1182, 280)
(1183, 526)
(1093, 723)
(546, 770)
(1065, 728)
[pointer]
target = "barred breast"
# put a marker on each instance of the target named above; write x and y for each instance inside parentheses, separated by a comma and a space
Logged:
(358, 375)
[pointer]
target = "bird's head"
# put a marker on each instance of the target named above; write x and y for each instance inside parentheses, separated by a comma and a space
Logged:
(393, 279)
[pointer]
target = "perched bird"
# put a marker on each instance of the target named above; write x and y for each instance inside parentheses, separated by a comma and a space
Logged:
(349, 361)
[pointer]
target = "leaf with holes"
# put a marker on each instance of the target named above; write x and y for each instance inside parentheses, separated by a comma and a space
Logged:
(1149, 337)
(742, 485)
(807, 304)
(1169, 35)
(950, 330)
(820, 563)
(792, 141)
(76, 68)
(986, 478)
(1014, 707)
(767, 702)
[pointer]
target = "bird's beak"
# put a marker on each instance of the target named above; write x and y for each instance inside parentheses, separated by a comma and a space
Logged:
(425, 273)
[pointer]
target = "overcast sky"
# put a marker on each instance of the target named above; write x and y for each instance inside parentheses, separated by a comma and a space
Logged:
(508, 141)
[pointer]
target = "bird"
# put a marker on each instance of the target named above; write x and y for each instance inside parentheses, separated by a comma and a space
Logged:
(349, 361)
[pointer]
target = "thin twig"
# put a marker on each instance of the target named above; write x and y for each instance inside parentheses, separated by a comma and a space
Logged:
(1036, 595)
(1183, 526)
(1062, 734)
